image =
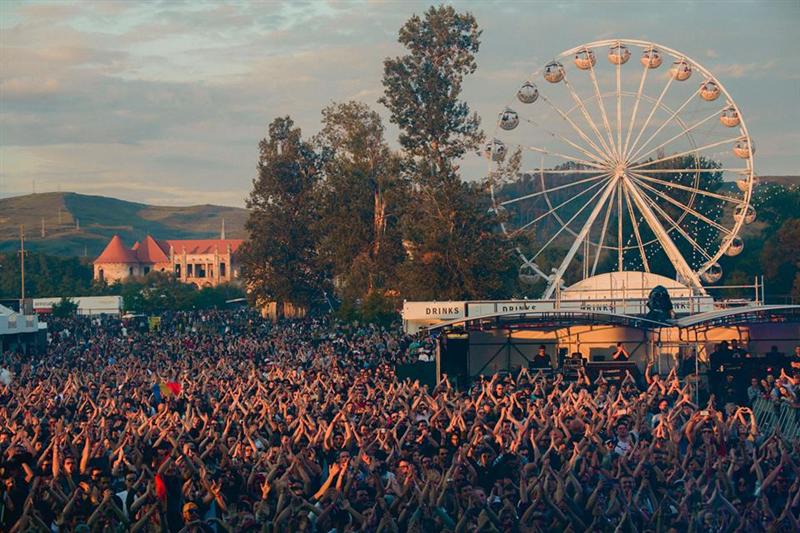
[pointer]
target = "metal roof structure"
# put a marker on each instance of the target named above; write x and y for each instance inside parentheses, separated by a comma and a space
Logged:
(742, 315)
(572, 317)
(556, 319)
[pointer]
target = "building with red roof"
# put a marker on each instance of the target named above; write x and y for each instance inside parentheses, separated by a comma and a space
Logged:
(203, 262)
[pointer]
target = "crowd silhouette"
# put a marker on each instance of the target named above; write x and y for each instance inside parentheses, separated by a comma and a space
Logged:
(221, 421)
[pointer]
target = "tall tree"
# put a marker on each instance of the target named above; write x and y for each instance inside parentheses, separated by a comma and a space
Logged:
(780, 258)
(454, 250)
(279, 259)
(422, 91)
(360, 195)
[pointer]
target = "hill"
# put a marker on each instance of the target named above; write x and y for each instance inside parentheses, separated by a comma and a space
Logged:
(78, 224)
(786, 181)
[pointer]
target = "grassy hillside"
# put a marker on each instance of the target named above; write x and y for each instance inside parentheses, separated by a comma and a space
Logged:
(77, 224)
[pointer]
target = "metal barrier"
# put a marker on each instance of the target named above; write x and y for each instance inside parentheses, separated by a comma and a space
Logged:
(770, 415)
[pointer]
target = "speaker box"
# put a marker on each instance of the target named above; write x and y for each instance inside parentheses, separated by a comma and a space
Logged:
(454, 356)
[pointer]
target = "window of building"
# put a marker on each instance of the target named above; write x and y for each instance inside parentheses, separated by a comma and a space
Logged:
(178, 270)
(200, 271)
(146, 270)
(101, 274)
(130, 271)
(222, 270)
(189, 270)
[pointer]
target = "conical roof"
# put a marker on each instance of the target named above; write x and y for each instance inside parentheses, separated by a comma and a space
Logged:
(116, 252)
(150, 251)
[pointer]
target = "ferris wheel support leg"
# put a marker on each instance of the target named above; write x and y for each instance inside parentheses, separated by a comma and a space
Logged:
(603, 230)
(578, 241)
(681, 266)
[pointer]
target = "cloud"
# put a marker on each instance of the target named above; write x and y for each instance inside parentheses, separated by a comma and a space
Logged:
(14, 88)
(745, 70)
(146, 99)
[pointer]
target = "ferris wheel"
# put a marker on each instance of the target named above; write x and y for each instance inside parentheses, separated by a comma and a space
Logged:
(622, 155)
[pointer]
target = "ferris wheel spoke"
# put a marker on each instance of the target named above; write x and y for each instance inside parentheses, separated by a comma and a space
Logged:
(559, 206)
(645, 70)
(694, 190)
(563, 139)
(670, 119)
(603, 230)
(553, 189)
(680, 205)
(566, 171)
(587, 116)
(577, 129)
(673, 254)
(620, 247)
(685, 152)
(606, 192)
(649, 116)
(567, 157)
(636, 233)
(691, 170)
(619, 111)
(684, 132)
(676, 226)
(600, 104)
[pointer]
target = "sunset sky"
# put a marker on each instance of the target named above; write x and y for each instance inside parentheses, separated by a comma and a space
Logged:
(164, 102)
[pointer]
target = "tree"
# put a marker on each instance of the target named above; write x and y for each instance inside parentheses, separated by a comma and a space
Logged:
(360, 195)
(780, 258)
(279, 259)
(422, 90)
(45, 276)
(64, 308)
(453, 248)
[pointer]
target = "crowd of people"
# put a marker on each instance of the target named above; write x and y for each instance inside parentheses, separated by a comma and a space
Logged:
(220, 421)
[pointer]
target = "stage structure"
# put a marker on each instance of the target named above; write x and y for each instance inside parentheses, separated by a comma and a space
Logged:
(624, 166)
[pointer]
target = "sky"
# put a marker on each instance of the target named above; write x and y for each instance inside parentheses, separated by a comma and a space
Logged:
(165, 102)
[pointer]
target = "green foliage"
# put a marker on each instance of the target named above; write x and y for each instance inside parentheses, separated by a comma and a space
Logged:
(422, 88)
(376, 308)
(453, 248)
(359, 196)
(780, 258)
(45, 276)
(159, 292)
(64, 308)
(280, 259)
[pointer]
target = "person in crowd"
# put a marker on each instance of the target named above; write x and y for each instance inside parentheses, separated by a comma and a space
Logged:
(620, 354)
(754, 391)
(794, 361)
(223, 422)
(542, 358)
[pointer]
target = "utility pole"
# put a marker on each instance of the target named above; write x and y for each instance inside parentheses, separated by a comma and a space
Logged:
(43, 231)
(22, 262)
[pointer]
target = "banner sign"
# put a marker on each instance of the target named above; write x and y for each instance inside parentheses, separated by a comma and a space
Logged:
(632, 307)
(433, 310)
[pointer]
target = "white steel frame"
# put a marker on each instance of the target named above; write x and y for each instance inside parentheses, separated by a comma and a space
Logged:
(615, 169)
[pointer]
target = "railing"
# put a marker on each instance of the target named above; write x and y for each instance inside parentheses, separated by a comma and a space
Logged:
(758, 292)
(770, 415)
